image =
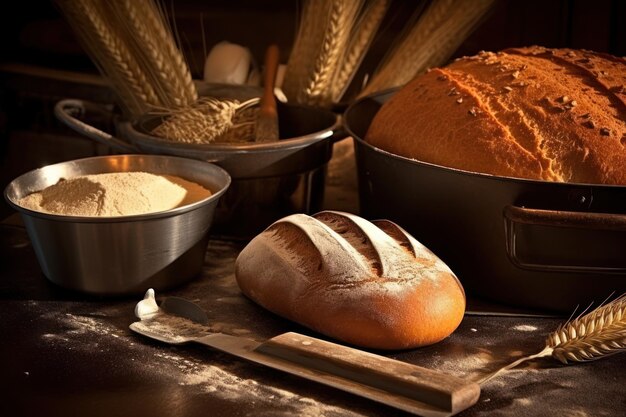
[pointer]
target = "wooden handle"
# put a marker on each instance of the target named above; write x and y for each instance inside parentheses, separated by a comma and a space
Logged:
(376, 377)
(268, 102)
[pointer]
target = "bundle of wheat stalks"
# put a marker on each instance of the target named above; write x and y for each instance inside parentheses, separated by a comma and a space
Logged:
(133, 46)
(332, 39)
(335, 35)
(595, 335)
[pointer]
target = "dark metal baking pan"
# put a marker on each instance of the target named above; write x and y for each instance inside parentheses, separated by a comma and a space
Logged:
(536, 244)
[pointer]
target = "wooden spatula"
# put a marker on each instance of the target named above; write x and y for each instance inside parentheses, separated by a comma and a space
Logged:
(267, 120)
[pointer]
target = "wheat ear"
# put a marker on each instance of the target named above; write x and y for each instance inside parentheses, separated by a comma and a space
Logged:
(302, 53)
(156, 24)
(597, 334)
(149, 39)
(342, 15)
(111, 54)
(362, 36)
(430, 42)
(323, 35)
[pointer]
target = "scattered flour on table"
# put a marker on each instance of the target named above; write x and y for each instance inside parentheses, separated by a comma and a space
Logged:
(115, 194)
(226, 381)
(82, 324)
(470, 365)
(231, 300)
(82, 327)
(524, 401)
(479, 363)
(576, 412)
(525, 328)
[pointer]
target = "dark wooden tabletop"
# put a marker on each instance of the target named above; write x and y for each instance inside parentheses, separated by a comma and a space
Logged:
(63, 354)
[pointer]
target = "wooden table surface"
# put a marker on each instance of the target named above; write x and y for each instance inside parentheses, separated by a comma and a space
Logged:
(63, 354)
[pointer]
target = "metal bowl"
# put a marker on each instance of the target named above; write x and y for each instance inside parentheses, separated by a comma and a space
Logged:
(125, 254)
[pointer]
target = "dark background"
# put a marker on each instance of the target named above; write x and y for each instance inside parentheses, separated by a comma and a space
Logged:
(33, 31)
(41, 61)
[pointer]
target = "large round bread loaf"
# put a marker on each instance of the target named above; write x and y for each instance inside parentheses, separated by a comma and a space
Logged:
(537, 113)
(367, 284)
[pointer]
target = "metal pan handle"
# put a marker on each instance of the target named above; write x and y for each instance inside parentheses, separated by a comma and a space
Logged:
(339, 131)
(68, 111)
(565, 241)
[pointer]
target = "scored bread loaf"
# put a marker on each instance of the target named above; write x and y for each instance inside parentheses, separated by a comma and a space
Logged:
(537, 113)
(367, 284)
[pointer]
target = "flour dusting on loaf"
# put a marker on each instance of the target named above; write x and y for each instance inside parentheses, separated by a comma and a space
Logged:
(537, 113)
(366, 283)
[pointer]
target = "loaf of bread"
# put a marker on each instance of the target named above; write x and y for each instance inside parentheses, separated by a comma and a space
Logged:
(367, 284)
(537, 113)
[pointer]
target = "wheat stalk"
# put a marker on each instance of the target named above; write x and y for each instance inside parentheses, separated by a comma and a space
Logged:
(153, 45)
(177, 58)
(323, 36)
(362, 36)
(156, 24)
(597, 334)
(430, 42)
(130, 43)
(318, 88)
(111, 54)
(310, 34)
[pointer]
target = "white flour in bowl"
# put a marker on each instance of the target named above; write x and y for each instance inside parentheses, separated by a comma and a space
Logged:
(115, 194)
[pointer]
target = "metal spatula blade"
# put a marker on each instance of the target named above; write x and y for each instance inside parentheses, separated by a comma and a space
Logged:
(399, 384)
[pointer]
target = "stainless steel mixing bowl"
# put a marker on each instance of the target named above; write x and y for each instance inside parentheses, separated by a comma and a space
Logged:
(125, 254)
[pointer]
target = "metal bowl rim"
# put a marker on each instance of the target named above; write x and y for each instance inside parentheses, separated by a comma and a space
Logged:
(137, 137)
(215, 195)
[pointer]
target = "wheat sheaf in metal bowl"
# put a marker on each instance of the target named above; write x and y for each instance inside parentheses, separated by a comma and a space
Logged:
(303, 129)
(210, 119)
